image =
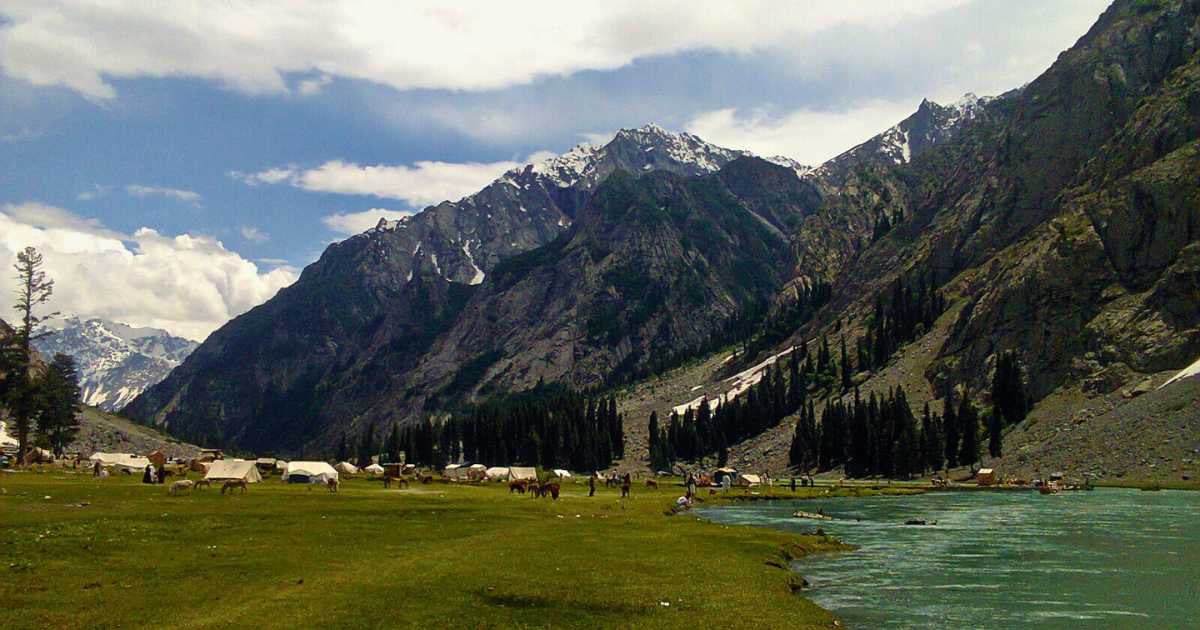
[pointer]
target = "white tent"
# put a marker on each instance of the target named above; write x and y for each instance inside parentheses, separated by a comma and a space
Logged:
(518, 472)
(560, 473)
(121, 461)
(280, 466)
(346, 468)
(497, 473)
(309, 472)
(374, 469)
(748, 480)
(224, 469)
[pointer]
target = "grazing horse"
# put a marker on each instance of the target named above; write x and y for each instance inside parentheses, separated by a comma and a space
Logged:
(202, 483)
(426, 479)
(180, 486)
(332, 484)
(650, 483)
(517, 485)
(549, 487)
(234, 483)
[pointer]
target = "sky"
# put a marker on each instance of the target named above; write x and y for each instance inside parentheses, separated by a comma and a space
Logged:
(178, 163)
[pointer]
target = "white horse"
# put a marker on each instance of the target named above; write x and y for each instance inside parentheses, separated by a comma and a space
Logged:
(180, 486)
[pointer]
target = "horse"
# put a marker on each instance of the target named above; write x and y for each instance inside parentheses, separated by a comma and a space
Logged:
(549, 487)
(427, 479)
(180, 486)
(202, 483)
(650, 483)
(517, 485)
(234, 483)
(332, 484)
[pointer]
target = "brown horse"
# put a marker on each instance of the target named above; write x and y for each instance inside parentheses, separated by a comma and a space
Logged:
(549, 487)
(650, 483)
(234, 483)
(332, 484)
(202, 483)
(518, 485)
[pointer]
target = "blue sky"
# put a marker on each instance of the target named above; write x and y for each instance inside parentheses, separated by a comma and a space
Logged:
(230, 142)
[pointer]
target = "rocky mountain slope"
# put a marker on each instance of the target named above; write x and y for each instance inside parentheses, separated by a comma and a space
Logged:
(116, 362)
(337, 342)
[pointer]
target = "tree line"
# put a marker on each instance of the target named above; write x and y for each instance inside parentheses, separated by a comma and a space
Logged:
(881, 436)
(549, 425)
(41, 401)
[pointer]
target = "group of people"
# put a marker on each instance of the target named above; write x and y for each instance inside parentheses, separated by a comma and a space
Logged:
(625, 481)
(151, 475)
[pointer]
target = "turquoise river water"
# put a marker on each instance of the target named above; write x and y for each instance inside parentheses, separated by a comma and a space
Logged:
(1102, 559)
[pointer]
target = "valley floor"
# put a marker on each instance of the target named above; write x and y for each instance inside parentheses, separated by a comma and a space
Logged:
(82, 552)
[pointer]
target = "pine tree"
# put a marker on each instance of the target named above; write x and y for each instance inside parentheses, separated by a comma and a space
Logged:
(34, 289)
(393, 447)
(968, 420)
(58, 421)
(935, 451)
(652, 432)
(995, 434)
(367, 447)
(1009, 400)
(952, 431)
(343, 449)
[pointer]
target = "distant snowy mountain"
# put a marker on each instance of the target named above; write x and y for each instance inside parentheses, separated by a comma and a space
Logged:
(116, 361)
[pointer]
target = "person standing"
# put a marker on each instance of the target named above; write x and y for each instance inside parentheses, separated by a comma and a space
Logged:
(793, 483)
(592, 485)
(148, 474)
(626, 483)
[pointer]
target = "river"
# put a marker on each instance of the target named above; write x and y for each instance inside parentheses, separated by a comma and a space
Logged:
(1103, 559)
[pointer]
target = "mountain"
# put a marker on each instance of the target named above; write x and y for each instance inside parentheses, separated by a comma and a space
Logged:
(1059, 221)
(116, 362)
(336, 343)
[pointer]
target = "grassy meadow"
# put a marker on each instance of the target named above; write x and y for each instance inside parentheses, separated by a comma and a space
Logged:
(82, 552)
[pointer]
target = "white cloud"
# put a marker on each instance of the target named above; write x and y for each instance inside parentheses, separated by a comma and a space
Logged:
(186, 284)
(186, 196)
(811, 137)
(252, 47)
(423, 183)
(253, 234)
(358, 222)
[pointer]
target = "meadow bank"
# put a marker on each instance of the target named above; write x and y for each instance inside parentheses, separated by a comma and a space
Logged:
(82, 552)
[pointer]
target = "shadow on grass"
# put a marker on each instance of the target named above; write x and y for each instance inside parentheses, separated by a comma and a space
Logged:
(559, 605)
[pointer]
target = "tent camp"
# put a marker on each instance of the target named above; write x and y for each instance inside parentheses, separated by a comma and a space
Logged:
(374, 469)
(561, 474)
(517, 473)
(309, 472)
(452, 471)
(346, 468)
(240, 469)
(497, 473)
(266, 465)
(121, 461)
(476, 472)
(721, 473)
(748, 480)
(280, 466)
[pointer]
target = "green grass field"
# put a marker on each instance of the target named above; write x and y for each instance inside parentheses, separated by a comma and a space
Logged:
(80, 552)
